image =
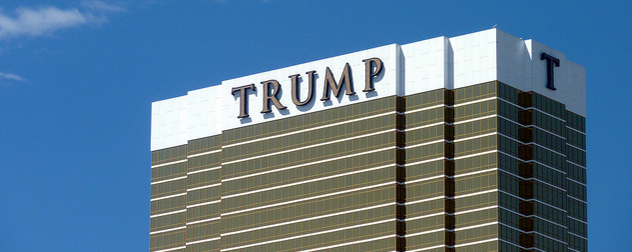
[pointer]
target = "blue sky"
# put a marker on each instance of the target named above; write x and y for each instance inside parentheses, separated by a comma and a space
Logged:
(77, 79)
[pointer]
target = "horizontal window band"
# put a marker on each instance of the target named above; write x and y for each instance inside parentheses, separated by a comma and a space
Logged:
(531, 108)
(168, 180)
(308, 219)
(309, 129)
(533, 143)
(580, 236)
(446, 197)
(170, 163)
(475, 119)
(308, 235)
(427, 216)
(535, 179)
(430, 248)
(456, 176)
(425, 179)
(520, 247)
(576, 164)
(167, 230)
(424, 144)
(530, 232)
(477, 226)
(548, 149)
(448, 141)
(425, 108)
(534, 216)
(532, 161)
(205, 170)
(350, 243)
(573, 129)
(203, 187)
(532, 126)
(171, 249)
(476, 193)
(309, 198)
(424, 126)
(202, 241)
(309, 146)
(169, 196)
(311, 163)
(306, 181)
(426, 232)
(580, 200)
(426, 161)
(476, 154)
(422, 200)
(169, 213)
(204, 153)
(575, 147)
(475, 172)
(202, 221)
(575, 219)
(545, 113)
(534, 200)
(477, 101)
(476, 210)
(475, 137)
(204, 204)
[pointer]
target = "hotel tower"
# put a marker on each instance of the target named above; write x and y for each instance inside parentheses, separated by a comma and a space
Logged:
(469, 143)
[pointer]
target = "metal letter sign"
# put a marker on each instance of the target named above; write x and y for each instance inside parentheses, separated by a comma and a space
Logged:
(551, 63)
(272, 88)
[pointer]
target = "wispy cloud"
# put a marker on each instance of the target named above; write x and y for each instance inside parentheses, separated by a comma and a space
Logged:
(45, 20)
(101, 6)
(13, 77)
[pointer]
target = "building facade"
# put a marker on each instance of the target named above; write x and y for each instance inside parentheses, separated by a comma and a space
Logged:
(470, 143)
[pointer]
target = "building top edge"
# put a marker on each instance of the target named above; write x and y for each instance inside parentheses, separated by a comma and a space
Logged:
(441, 62)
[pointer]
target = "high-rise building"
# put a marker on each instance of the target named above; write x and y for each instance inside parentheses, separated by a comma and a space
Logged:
(470, 143)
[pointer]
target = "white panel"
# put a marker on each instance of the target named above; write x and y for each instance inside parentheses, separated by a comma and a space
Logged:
(204, 108)
(169, 123)
(474, 58)
(425, 65)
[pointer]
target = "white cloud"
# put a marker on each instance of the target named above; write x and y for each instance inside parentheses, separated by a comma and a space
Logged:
(10, 76)
(46, 20)
(101, 6)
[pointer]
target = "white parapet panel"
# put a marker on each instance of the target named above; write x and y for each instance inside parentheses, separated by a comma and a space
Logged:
(425, 66)
(490, 55)
(473, 58)
(169, 123)
(204, 112)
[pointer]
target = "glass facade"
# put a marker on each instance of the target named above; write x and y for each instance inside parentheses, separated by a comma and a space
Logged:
(481, 168)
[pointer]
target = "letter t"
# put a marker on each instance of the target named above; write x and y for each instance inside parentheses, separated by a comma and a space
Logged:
(551, 63)
(243, 99)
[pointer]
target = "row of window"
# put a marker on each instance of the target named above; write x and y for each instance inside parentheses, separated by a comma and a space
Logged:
(312, 189)
(303, 156)
(425, 99)
(319, 118)
(309, 227)
(308, 172)
(476, 92)
(327, 134)
(319, 240)
(308, 209)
